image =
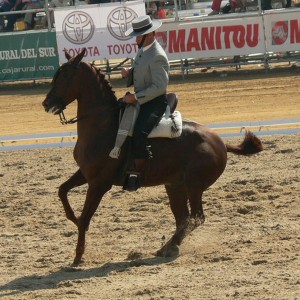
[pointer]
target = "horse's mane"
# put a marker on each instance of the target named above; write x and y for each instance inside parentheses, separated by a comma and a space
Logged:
(104, 83)
(103, 78)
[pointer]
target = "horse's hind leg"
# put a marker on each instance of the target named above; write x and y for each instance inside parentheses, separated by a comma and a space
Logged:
(178, 203)
(195, 199)
(185, 222)
(75, 180)
(200, 175)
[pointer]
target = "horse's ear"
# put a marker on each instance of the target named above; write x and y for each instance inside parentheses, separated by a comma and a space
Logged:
(79, 57)
(67, 55)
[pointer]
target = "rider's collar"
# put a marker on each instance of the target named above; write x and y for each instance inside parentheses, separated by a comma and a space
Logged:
(147, 47)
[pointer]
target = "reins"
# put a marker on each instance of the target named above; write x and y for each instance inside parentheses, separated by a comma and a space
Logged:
(76, 119)
(64, 121)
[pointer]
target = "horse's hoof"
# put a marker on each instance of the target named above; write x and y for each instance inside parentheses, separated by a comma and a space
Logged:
(158, 253)
(77, 262)
(171, 251)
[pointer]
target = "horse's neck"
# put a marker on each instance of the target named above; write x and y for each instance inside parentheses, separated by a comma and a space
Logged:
(97, 112)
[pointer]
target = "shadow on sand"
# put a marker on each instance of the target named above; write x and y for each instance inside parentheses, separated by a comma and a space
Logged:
(53, 280)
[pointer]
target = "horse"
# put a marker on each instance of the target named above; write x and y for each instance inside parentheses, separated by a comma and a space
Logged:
(186, 165)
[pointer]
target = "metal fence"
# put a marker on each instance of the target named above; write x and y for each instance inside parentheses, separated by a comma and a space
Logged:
(45, 39)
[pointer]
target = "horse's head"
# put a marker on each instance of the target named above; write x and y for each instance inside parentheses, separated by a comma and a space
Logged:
(65, 85)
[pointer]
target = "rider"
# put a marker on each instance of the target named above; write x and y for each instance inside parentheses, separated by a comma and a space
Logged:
(150, 77)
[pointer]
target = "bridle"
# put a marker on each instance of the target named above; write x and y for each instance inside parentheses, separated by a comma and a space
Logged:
(64, 121)
(61, 101)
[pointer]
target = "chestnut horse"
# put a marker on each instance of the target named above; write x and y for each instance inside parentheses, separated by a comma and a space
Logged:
(186, 165)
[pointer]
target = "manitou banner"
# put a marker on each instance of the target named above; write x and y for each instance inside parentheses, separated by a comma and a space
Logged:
(218, 38)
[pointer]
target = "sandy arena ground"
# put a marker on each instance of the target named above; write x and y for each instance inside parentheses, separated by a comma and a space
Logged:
(248, 248)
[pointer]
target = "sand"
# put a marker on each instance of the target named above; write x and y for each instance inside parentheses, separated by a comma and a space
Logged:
(248, 248)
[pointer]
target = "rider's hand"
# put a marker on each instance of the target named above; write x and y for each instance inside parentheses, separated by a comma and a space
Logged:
(130, 98)
(125, 72)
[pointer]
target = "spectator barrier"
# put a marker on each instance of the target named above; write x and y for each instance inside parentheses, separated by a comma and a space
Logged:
(28, 55)
(65, 139)
(100, 29)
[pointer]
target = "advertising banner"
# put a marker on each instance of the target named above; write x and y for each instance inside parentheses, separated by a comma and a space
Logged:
(98, 28)
(101, 30)
(283, 31)
(28, 56)
(216, 38)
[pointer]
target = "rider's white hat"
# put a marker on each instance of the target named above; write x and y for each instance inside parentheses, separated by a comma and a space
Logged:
(143, 25)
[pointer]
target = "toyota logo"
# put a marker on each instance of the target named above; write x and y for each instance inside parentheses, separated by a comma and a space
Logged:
(118, 20)
(78, 27)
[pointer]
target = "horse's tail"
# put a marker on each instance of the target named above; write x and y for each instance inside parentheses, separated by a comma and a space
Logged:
(250, 145)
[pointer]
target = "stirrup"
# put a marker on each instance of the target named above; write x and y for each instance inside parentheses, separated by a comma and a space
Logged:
(132, 182)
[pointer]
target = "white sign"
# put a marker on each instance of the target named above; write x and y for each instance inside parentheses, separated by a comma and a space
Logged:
(216, 38)
(283, 31)
(98, 28)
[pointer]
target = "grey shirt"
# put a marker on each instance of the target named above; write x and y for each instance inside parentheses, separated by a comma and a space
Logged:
(150, 73)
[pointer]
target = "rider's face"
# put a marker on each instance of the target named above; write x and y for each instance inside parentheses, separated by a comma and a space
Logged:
(148, 40)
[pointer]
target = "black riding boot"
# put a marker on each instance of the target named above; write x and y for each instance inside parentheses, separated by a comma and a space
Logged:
(133, 179)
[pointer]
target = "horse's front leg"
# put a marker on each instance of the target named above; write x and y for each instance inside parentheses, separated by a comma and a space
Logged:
(94, 195)
(75, 180)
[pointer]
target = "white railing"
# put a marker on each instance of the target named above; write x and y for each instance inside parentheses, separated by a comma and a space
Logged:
(62, 139)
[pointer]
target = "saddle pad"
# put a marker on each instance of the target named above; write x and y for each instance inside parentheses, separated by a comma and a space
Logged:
(170, 126)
